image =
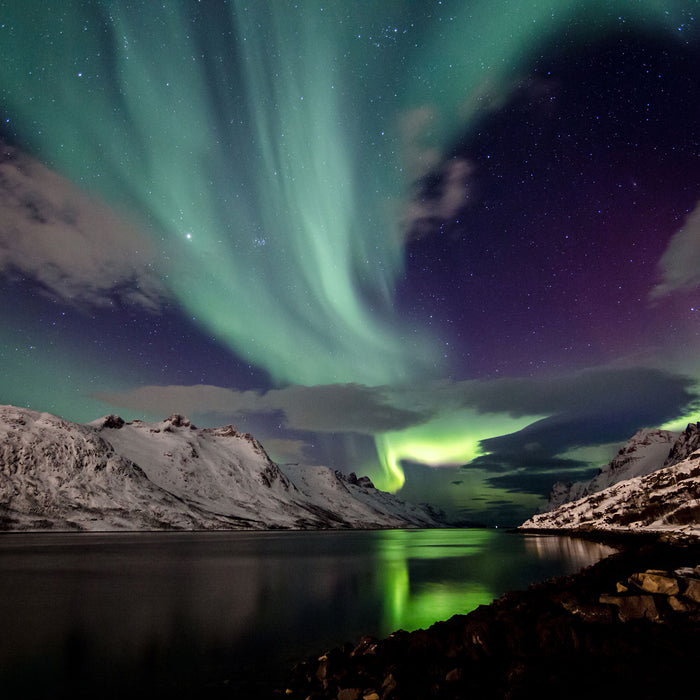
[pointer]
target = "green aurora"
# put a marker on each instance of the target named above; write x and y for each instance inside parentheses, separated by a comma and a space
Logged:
(271, 163)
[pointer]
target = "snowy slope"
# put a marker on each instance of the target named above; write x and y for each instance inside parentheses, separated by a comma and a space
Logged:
(346, 497)
(59, 474)
(642, 454)
(115, 475)
(667, 500)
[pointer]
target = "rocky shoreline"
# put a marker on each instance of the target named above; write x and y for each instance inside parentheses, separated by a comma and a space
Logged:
(628, 626)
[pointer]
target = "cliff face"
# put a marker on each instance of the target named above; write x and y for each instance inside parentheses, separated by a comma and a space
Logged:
(687, 443)
(642, 454)
(667, 500)
(112, 475)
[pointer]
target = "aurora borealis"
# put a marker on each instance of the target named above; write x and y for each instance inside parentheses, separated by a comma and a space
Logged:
(454, 245)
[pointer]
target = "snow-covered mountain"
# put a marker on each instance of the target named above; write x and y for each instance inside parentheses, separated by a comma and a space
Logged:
(113, 475)
(642, 454)
(666, 499)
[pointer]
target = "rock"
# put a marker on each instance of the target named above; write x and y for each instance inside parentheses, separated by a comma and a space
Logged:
(559, 638)
(367, 645)
(349, 694)
(177, 420)
(659, 582)
(680, 605)
(454, 675)
(330, 665)
(692, 590)
(113, 422)
(388, 686)
(632, 607)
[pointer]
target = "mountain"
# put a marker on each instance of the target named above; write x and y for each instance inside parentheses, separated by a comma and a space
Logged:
(642, 454)
(666, 500)
(114, 475)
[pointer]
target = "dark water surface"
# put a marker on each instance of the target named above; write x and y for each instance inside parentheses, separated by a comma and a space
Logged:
(106, 614)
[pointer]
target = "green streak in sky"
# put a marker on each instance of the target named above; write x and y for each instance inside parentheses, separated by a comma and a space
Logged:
(271, 149)
(451, 439)
(266, 144)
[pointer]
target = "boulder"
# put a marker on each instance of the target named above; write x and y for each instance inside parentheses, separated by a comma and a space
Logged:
(633, 607)
(659, 582)
(454, 675)
(680, 604)
(692, 590)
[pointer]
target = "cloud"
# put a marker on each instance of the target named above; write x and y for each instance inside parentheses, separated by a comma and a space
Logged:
(420, 155)
(594, 407)
(71, 244)
(443, 186)
(591, 407)
(286, 451)
(679, 266)
(537, 483)
(595, 404)
(647, 394)
(448, 194)
(331, 408)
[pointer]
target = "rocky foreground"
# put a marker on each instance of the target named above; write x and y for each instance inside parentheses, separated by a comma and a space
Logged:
(627, 627)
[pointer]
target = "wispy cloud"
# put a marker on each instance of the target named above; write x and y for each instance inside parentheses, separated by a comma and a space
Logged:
(331, 408)
(71, 244)
(679, 266)
(590, 407)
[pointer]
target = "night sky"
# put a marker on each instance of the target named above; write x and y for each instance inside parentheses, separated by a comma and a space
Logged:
(451, 245)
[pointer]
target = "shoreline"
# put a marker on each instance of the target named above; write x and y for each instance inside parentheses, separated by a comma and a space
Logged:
(620, 537)
(567, 636)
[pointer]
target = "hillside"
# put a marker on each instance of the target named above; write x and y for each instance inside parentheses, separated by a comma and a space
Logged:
(114, 475)
(666, 500)
(642, 454)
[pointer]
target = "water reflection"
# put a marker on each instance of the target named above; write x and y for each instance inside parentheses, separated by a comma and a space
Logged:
(415, 596)
(579, 553)
(110, 613)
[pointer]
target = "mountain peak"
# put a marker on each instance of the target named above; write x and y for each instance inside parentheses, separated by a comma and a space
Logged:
(646, 487)
(642, 454)
(111, 474)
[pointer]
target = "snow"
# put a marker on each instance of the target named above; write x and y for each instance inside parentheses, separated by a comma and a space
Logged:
(641, 454)
(647, 487)
(111, 475)
(665, 501)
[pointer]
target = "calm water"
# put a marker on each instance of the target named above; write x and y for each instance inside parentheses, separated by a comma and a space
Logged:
(167, 612)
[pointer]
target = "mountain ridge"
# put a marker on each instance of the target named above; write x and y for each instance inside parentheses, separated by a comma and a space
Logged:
(111, 474)
(665, 500)
(640, 455)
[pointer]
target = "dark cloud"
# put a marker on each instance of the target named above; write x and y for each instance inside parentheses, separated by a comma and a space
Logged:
(538, 483)
(502, 460)
(595, 407)
(506, 514)
(589, 408)
(331, 408)
(645, 393)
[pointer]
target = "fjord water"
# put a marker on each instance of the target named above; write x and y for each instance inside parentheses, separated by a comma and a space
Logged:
(170, 612)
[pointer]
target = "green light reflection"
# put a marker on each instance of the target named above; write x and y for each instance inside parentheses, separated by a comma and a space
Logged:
(412, 604)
